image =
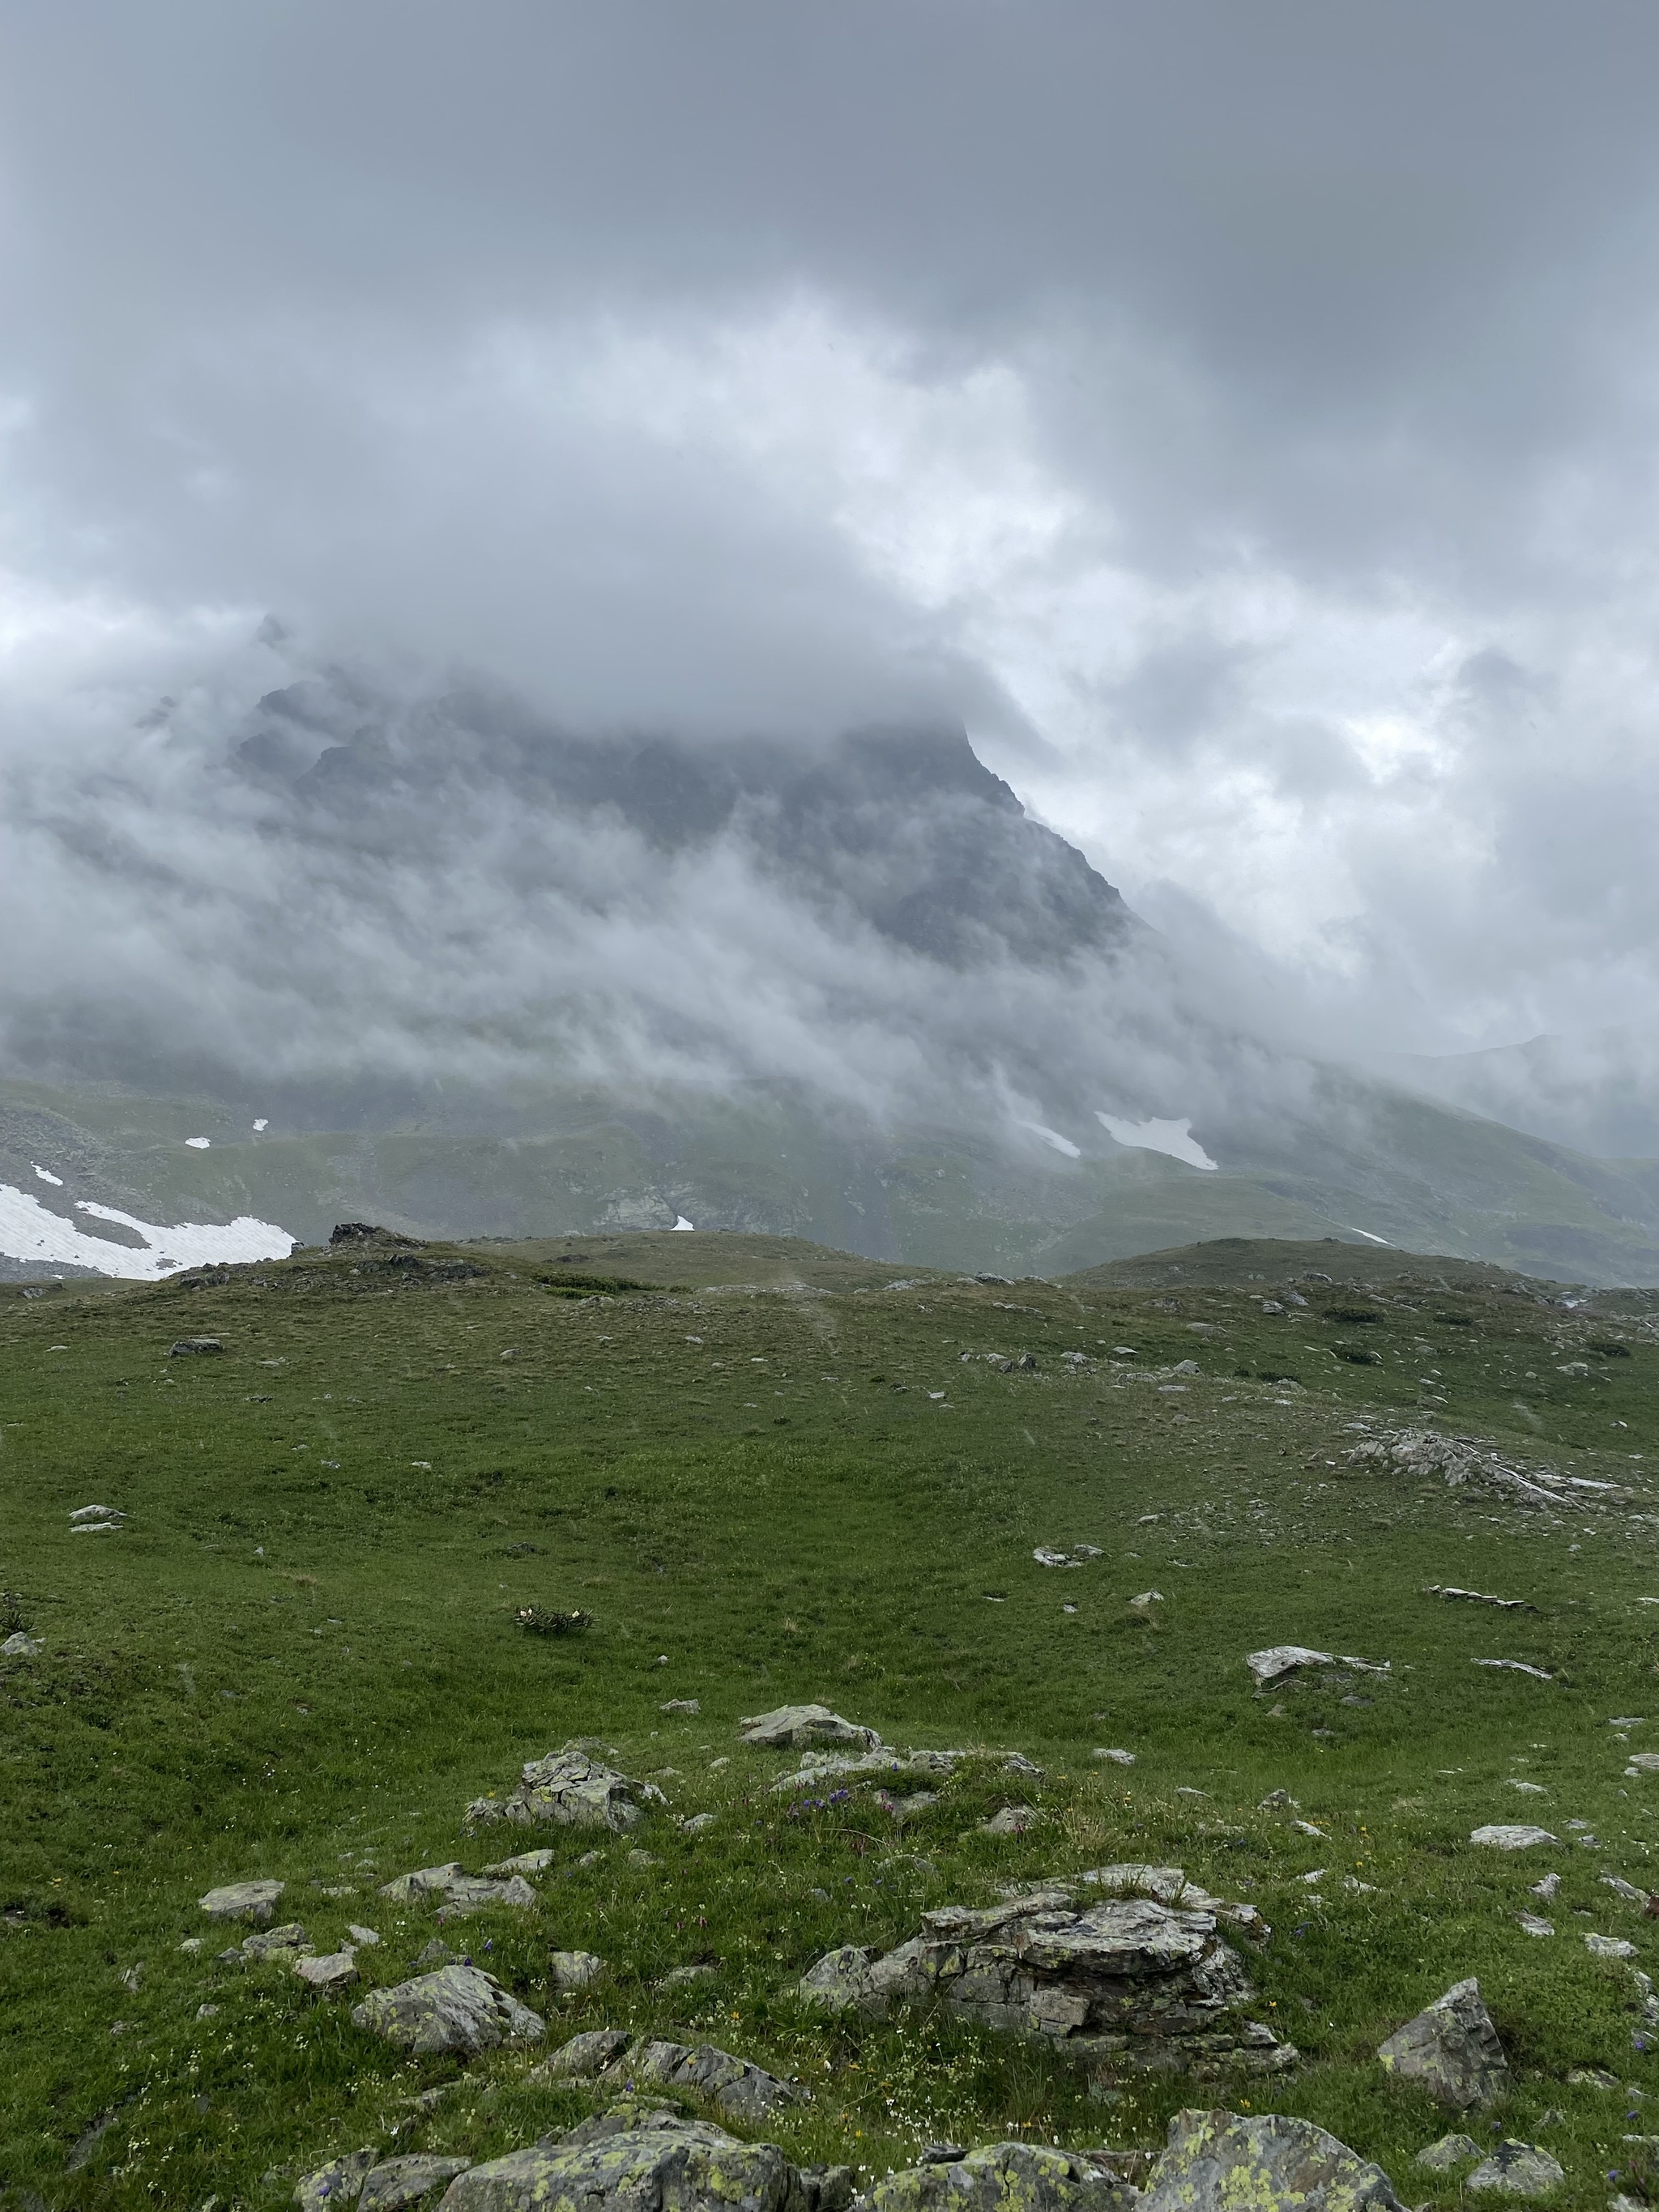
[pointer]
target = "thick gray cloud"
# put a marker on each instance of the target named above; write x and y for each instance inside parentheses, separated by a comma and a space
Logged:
(1239, 415)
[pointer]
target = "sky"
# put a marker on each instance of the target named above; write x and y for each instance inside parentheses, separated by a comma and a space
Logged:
(1241, 416)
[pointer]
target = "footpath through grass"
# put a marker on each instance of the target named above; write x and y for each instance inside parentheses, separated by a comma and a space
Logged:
(299, 1657)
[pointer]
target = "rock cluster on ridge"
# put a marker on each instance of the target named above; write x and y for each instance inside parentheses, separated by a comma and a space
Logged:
(568, 1789)
(1126, 1977)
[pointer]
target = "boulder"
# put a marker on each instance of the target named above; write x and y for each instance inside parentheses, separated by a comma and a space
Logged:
(1278, 1660)
(1006, 2177)
(630, 2160)
(1270, 2164)
(1451, 2050)
(456, 2009)
(396, 2182)
(574, 1970)
(1125, 1978)
(536, 1862)
(20, 1646)
(286, 1941)
(742, 2090)
(1517, 2169)
(339, 2182)
(243, 1900)
(568, 1789)
(798, 1727)
(1449, 2151)
(1511, 1836)
(187, 1346)
(336, 1970)
(424, 1882)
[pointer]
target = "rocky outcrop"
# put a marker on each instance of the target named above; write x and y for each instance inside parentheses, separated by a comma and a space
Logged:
(1006, 2177)
(458, 2008)
(374, 2184)
(462, 1892)
(802, 1728)
(1270, 2164)
(1126, 1977)
(742, 2090)
(634, 2158)
(568, 1789)
(1451, 2050)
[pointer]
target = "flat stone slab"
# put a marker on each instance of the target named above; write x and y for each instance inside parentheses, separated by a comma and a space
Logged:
(242, 1901)
(799, 1728)
(1279, 1660)
(1511, 1836)
(334, 1970)
(1269, 2164)
(458, 2008)
(1451, 2050)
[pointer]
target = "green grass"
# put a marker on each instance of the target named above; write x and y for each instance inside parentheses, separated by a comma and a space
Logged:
(301, 1650)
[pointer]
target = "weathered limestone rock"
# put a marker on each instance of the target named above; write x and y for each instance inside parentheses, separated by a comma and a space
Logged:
(1511, 1836)
(187, 1346)
(20, 1646)
(462, 1892)
(1279, 1660)
(624, 2162)
(1121, 1979)
(1517, 2169)
(1451, 2050)
(1006, 2177)
(743, 2090)
(568, 1789)
(1449, 2151)
(1271, 2165)
(399, 2182)
(536, 1862)
(456, 2008)
(286, 1941)
(336, 1970)
(424, 1882)
(798, 1727)
(576, 1970)
(242, 1901)
(339, 2182)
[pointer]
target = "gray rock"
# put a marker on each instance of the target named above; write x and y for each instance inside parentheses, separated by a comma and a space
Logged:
(20, 1646)
(698, 1824)
(242, 1901)
(655, 2160)
(588, 2054)
(1011, 1820)
(1511, 1836)
(339, 2182)
(288, 1940)
(364, 1937)
(197, 1345)
(456, 2008)
(568, 1788)
(1006, 2177)
(1450, 2150)
(574, 1970)
(682, 1705)
(743, 2090)
(536, 1862)
(462, 1892)
(1517, 2169)
(1117, 1757)
(1279, 1660)
(1122, 1979)
(1609, 1947)
(681, 1977)
(424, 1882)
(437, 1952)
(828, 2188)
(396, 2182)
(798, 1727)
(336, 1970)
(1270, 2164)
(1451, 2050)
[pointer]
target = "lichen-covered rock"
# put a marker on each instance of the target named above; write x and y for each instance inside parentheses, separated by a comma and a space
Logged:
(243, 1900)
(568, 1789)
(424, 1882)
(798, 1727)
(1269, 2164)
(1517, 2169)
(339, 2182)
(1119, 1979)
(574, 1970)
(288, 1941)
(456, 2008)
(396, 2183)
(664, 2162)
(1449, 2151)
(1006, 2177)
(742, 2090)
(1451, 2050)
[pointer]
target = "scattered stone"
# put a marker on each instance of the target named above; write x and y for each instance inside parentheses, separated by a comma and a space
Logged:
(1547, 1887)
(242, 1901)
(1218, 2158)
(568, 1789)
(743, 2090)
(339, 2182)
(638, 1859)
(399, 2182)
(1530, 1788)
(1275, 1797)
(574, 1970)
(1123, 1979)
(1515, 1666)
(1117, 1757)
(1011, 1820)
(289, 1939)
(1592, 2077)
(437, 1952)
(191, 1944)
(1307, 1828)
(634, 2156)
(682, 1705)
(698, 1824)
(681, 1977)
(1505, 1836)
(1451, 2050)
(362, 1936)
(1450, 2150)
(1609, 1947)
(1279, 1660)
(336, 1970)
(197, 1345)
(88, 2141)
(1532, 1925)
(536, 1862)
(207, 2012)
(798, 1727)
(1627, 1890)
(1643, 1762)
(456, 2008)
(1004, 2177)
(1147, 1601)
(20, 1646)
(1480, 1597)
(462, 1892)
(1517, 2169)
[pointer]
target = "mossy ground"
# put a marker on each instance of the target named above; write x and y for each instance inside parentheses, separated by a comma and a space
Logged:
(299, 1658)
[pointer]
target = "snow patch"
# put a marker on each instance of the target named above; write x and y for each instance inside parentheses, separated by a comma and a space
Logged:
(46, 1175)
(1174, 1138)
(1053, 1137)
(262, 1124)
(29, 1232)
(1366, 1234)
(199, 1144)
(680, 1222)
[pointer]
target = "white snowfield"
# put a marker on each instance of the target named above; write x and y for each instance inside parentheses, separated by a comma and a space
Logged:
(29, 1232)
(1052, 1138)
(1174, 1138)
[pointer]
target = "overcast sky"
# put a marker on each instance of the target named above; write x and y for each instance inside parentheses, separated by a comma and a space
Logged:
(1242, 414)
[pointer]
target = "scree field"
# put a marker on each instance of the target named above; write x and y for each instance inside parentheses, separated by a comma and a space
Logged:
(767, 1474)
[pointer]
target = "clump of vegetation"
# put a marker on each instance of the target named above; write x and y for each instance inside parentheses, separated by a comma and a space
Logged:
(542, 1620)
(13, 1614)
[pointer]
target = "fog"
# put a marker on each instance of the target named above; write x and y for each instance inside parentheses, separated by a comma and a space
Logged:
(1239, 423)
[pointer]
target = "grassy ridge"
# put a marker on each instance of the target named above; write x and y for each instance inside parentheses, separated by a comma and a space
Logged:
(301, 1650)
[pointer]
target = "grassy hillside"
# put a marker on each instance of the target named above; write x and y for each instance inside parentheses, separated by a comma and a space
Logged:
(299, 1658)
